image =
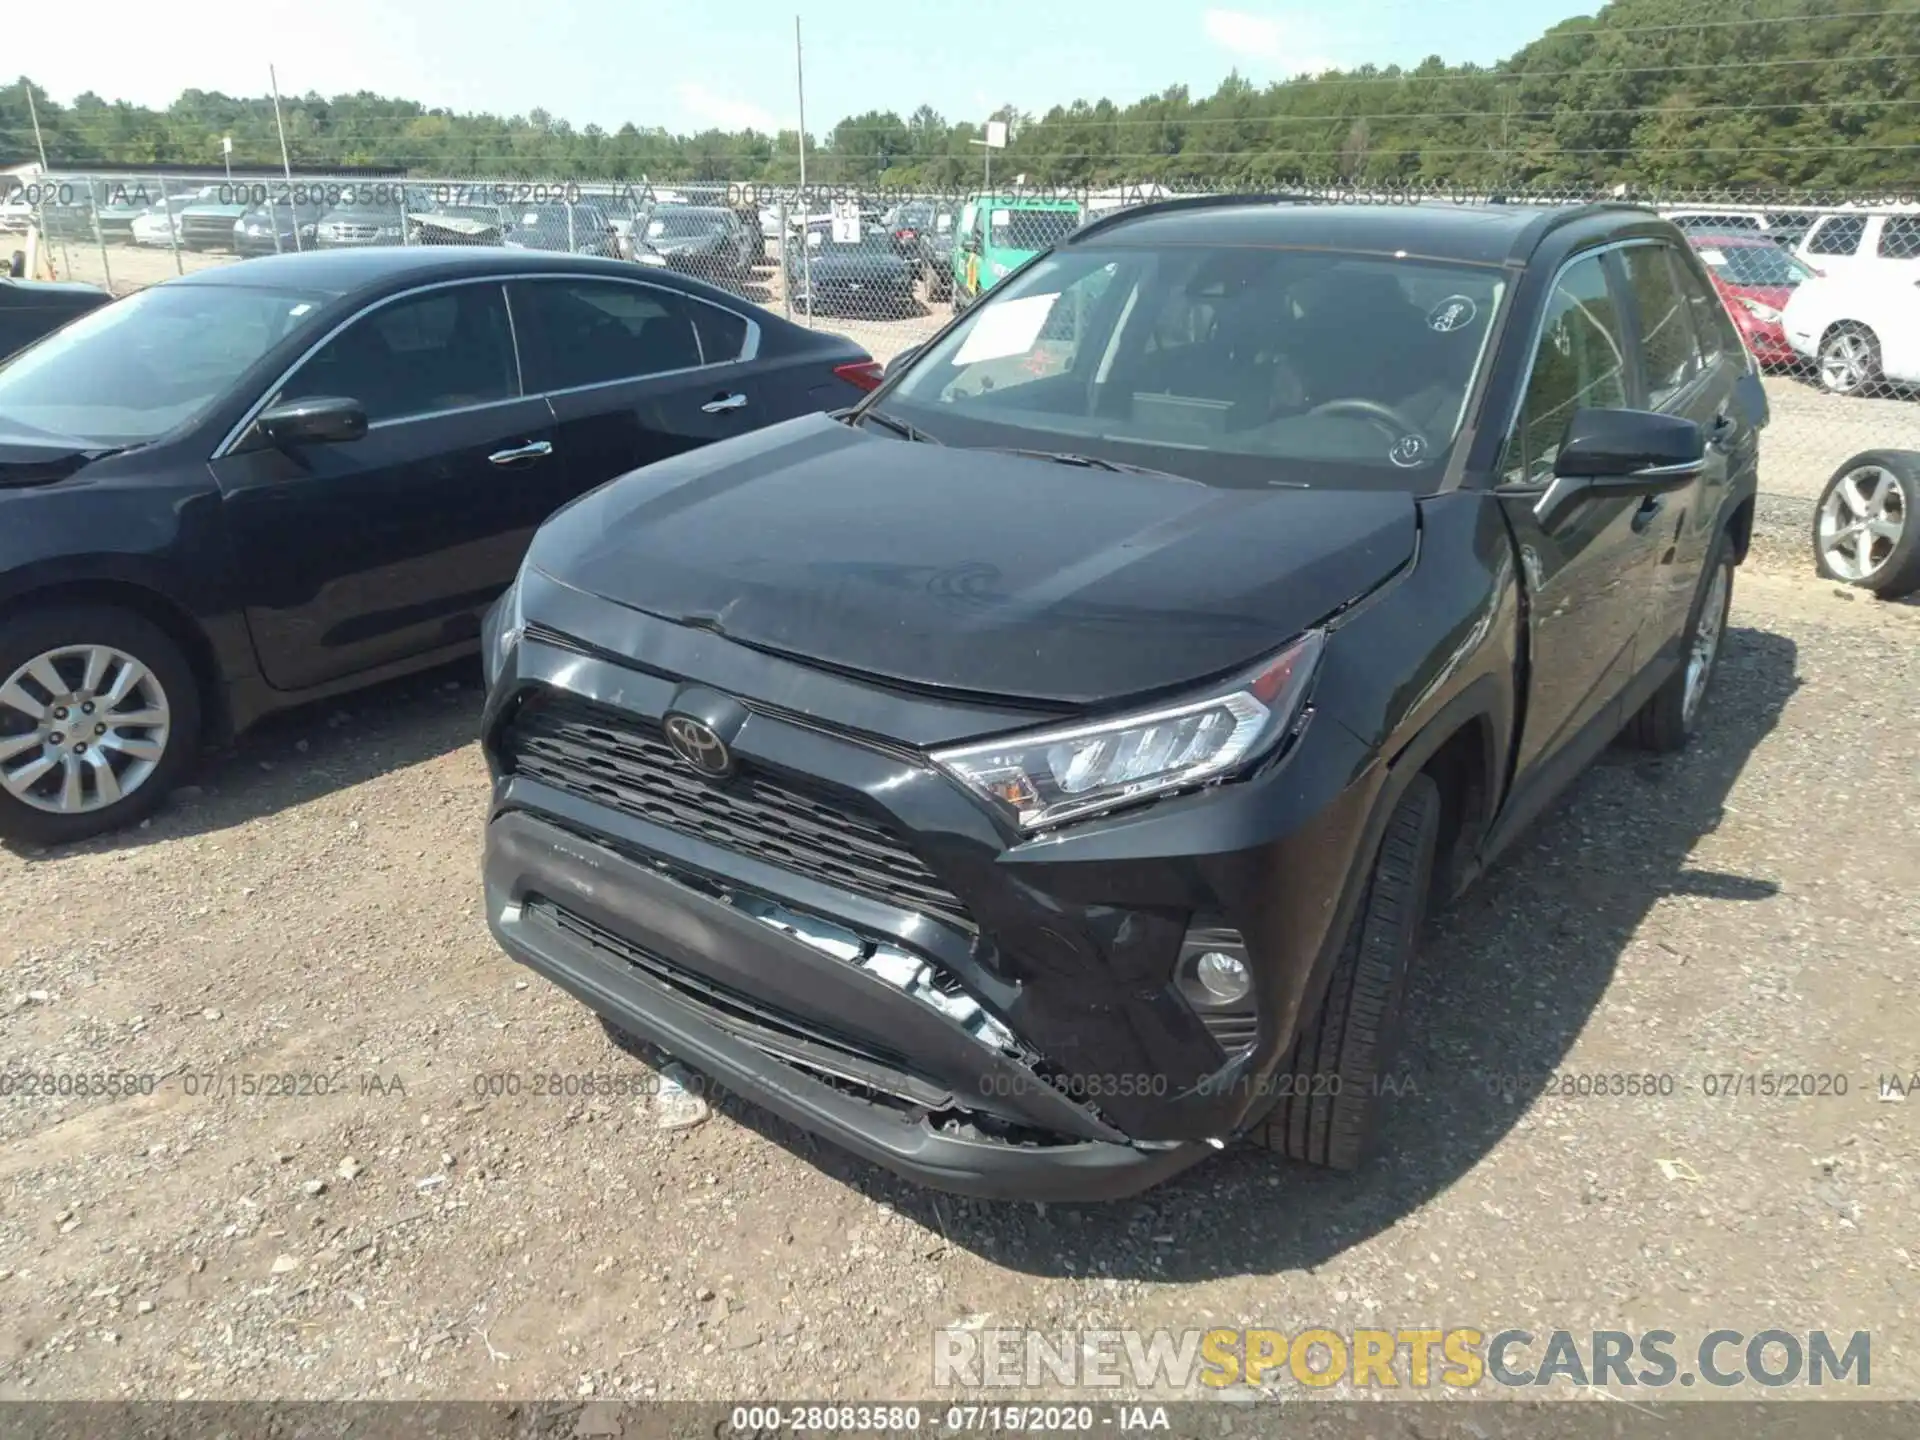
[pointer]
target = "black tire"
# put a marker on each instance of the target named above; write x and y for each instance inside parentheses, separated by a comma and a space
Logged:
(1896, 570)
(34, 632)
(1865, 370)
(1339, 1064)
(1664, 724)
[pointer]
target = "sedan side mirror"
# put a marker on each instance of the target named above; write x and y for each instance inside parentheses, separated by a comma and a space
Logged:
(321, 420)
(900, 361)
(1615, 453)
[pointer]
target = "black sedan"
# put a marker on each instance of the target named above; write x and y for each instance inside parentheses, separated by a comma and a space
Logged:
(291, 476)
(704, 240)
(865, 276)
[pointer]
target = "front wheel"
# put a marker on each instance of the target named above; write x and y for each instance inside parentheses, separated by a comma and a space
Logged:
(1671, 716)
(1339, 1071)
(1865, 532)
(99, 717)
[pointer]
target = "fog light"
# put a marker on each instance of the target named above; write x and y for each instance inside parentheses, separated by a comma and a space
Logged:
(1224, 977)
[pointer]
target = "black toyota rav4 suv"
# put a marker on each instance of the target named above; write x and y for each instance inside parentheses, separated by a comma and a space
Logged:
(1034, 778)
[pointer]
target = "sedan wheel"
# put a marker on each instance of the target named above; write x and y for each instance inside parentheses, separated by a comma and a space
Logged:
(1849, 360)
(84, 727)
(1864, 531)
(99, 711)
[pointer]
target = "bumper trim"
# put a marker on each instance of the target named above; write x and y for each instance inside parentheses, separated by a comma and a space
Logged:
(1072, 1170)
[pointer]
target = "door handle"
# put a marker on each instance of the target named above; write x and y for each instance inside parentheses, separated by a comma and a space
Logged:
(721, 403)
(1648, 512)
(1720, 434)
(534, 450)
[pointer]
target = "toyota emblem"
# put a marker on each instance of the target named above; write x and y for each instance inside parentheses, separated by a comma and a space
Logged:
(695, 742)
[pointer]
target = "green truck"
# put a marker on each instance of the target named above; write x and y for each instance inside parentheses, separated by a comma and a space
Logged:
(996, 234)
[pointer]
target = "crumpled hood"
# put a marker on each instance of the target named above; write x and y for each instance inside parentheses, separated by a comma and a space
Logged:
(970, 570)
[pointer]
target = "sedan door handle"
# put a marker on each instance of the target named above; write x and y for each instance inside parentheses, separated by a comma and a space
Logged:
(720, 403)
(1648, 512)
(534, 450)
(1720, 434)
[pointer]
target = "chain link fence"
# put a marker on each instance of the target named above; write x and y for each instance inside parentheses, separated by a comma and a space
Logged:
(1825, 287)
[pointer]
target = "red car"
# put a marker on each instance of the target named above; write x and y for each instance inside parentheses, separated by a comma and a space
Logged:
(1756, 277)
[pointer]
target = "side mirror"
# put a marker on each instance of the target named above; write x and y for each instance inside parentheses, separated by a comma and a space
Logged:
(900, 361)
(322, 420)
(1621, 453)
(970, 243)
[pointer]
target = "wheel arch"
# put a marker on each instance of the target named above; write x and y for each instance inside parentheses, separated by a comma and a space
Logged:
(157, 608)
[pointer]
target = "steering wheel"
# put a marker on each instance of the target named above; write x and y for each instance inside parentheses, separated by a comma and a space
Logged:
(1391, 420)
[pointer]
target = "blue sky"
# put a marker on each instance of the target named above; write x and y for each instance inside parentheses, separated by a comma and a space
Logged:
(697, 63)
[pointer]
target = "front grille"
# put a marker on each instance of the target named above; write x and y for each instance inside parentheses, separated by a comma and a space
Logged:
(611, 759)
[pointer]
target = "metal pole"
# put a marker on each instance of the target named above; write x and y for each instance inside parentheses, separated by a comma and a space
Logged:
(286, 164)
(34, 111)
(40, 206)
(806, 232)
(786, 284)
(94, 190)
(173, 231)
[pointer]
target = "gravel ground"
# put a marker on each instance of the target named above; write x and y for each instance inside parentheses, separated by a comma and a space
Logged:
(311, 908)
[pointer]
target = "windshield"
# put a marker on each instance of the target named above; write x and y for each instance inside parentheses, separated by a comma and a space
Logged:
(1231, 365)
(684, 224)
(1032, 229)
(137, 369)
(1762, 266)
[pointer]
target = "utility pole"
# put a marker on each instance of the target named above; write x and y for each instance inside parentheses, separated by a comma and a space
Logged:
(806, 231)
(38, 143)
(286, 166)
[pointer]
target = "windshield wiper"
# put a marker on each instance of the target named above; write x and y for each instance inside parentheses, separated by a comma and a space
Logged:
(899, 427)
(1085, 462)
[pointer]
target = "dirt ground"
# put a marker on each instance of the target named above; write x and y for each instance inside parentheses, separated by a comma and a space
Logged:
(413, 1221)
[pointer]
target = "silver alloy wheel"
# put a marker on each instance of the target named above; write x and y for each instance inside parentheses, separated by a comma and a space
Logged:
(81, 728)
(1861, 522)
(1846, 362)
(1706, 645)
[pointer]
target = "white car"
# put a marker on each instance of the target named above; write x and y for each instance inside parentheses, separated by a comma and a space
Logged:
(1883, 241)
(15, 213)
(160, 224)
(1862, 329)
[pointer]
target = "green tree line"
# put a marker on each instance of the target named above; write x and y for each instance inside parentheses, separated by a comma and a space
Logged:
(1673, 93)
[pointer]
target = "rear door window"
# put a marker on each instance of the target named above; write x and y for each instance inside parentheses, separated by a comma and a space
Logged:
(594, 332)
(1837, 235)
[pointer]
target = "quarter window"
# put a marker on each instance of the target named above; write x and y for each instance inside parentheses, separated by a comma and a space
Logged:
(1667, 347)
(1837, 235)
(440, 350)
(591, 332)
(1581, 364)
(1900, 238)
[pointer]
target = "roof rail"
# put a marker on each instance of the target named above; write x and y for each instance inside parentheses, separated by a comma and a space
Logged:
(1190, 202)
(1553, 217)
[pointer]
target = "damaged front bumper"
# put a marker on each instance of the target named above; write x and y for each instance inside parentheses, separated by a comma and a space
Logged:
(763, 997)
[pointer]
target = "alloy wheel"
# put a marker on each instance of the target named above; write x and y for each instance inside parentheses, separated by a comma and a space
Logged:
(1861, 522)
(81, 728)
(1706, 644)
(1846, 362)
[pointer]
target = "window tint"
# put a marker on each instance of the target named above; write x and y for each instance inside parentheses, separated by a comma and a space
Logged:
(593, 331)
(1581, 364)
(1667, 348)
(436, 351)
(1713, 328)
(1900, 238)
(1838, 235)
(723, 334)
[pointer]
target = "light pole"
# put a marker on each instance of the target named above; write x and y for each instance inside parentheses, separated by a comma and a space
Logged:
(226, 154)
(996, 140)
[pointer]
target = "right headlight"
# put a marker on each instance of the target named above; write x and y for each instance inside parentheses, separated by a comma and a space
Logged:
(1042, 778)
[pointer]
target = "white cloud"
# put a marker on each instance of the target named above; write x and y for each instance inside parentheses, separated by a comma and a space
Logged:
(707, 109)
(1262, 38)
